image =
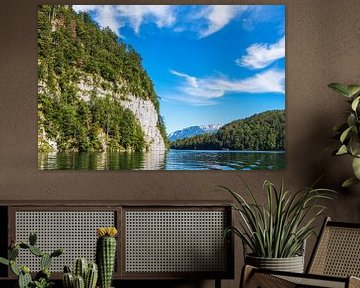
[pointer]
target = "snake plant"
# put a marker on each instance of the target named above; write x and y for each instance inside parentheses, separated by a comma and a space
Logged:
(348, 132)
(279, 228)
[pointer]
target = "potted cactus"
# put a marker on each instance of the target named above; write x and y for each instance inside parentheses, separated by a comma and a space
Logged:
(85, 275)
(106, 254)
(42, 278)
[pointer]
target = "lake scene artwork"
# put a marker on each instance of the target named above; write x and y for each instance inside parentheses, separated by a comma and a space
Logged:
(161, 87)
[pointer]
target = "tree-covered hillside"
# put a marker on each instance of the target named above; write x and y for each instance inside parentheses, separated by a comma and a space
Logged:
(262, 132)
(71, 48)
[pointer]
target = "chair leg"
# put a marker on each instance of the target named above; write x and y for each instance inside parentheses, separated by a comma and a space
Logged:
(263, 280)
(217, 283)
(354, 282)
(250, 278)
(246, 274)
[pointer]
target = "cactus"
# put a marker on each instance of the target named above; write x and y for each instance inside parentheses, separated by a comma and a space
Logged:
(79, 282)
(91, 276)
(32, 238)
(89, 272)
(24, 246)
(23, 273)
(45, 261)
(13, 253)
(80, 267)
(36, 251)
(24, 279)
(105, 255)
(25, 269)
(68, 280)
(44, 273)
(67, 269)
(57, 252)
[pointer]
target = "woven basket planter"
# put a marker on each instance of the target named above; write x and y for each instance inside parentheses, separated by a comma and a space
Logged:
(291, 264)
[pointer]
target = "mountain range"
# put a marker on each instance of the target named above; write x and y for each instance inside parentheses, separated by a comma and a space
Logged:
(193, 131)
(260, 132)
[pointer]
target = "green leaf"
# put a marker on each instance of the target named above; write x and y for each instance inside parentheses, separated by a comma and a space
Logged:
(355, 103)
(356, 167)
(349, 182)
(4, 261)
(279, 228)
(351, 120)
(353, 89)
(345, 134)
(340, 88)
(14, 268)
(342, 150)
(354, 145)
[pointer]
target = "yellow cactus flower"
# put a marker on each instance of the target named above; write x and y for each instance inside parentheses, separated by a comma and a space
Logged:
(107, 231)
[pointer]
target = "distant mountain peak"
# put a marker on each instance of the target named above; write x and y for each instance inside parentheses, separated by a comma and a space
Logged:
(193, 131)
(210, 126)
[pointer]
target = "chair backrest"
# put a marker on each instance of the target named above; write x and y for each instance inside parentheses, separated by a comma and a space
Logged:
(337, 251)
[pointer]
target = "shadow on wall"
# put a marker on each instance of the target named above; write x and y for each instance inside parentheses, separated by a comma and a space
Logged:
(333, 170)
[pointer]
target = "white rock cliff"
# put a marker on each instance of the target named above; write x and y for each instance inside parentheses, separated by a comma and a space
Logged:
(147, 115)
(143, 110)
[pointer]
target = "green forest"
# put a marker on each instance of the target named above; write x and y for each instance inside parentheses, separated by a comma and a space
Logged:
(70, 47)
(261, 132)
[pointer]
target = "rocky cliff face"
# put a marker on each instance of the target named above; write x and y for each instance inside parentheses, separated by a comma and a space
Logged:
(143, 110)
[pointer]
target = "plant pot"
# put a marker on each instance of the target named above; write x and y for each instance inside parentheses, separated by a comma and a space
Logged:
(291, 264)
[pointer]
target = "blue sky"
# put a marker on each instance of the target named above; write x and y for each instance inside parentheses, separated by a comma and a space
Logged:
(210, 64)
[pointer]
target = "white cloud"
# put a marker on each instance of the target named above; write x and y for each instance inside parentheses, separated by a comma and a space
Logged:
(192, 81)
(205, 91)
(205, 21)
(117, 16)
(218, 16)
(106, 17)
(270, 81)
(84, 8)
(198, 88)
(262, 55)
(161, 15)
(192, 101)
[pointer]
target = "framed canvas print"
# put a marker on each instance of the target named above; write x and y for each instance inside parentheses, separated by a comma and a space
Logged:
(161, 87)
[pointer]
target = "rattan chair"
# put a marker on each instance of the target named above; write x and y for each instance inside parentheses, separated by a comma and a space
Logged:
(334, 263)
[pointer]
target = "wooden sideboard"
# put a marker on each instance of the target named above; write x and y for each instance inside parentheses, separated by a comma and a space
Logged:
(157, 240)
